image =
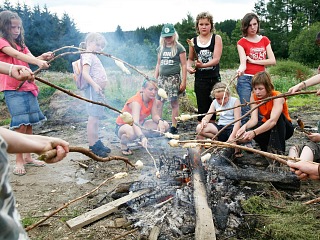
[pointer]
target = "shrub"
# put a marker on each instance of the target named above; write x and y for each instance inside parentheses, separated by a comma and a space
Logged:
(290, 69)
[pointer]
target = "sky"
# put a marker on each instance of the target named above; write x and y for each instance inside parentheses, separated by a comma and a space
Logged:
(106, 15)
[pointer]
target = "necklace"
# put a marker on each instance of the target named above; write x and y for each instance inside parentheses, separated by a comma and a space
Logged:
(204, 40)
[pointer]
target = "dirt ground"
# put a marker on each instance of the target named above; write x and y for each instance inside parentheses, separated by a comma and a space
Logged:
(45, 189)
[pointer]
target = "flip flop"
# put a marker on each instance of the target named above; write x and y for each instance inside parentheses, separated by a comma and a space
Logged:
(126, 152)
(238, 155)
(35, 163)
(19, 171)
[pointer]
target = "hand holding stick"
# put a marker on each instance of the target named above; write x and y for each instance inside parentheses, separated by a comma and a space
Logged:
(191, 44)
(52, 153)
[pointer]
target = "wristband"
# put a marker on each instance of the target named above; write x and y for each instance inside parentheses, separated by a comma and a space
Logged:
(305, 85)
(10, 70)
(254, 133)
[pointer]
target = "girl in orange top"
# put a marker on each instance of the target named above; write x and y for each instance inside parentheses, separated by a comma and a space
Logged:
(140, 106)
(275, 128)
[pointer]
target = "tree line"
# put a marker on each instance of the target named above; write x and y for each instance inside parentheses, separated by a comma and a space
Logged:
(291, 25)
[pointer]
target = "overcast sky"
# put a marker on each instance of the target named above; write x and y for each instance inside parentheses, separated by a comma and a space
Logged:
(106, 15)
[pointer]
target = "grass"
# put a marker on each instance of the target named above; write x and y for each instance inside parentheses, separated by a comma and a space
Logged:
(277, 218)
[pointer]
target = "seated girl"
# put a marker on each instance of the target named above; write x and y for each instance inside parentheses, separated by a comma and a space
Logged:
(222, 100)
(275, 128)
(140, 106)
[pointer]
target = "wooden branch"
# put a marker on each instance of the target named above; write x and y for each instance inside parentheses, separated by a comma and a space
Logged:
(259, 103)
(280, 158)
(52, 153)
(125, 234)
(81, 51)
(262, 101)
(75, 95)
(191, 44)
(155, 163)
(312, 201)
(228, 84)
(67, 204)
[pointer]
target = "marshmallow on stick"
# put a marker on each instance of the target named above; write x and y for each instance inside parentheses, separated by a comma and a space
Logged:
(127, 118)
(122, 66)
(190, 145)
(162, 93)
(184, 117)
(173, 143)
(139, 164)
(172, 136)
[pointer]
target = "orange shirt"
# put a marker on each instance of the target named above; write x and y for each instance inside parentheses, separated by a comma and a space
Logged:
(266, 108)
(144, 112)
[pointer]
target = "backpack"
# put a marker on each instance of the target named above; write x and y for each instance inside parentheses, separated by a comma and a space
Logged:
(77, 75)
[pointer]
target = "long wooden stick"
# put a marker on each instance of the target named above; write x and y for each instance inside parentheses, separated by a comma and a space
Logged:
(191, 44)
(52, 153)
(312, 201)
(280, 158)
(262, 101)
(81, 51)
(75, 95)
(125, 234)
(259, 103)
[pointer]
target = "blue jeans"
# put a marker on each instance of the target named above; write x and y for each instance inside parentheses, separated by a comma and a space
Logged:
(244, 89)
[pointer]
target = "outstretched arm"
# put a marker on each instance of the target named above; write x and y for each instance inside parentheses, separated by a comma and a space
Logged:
(305, 169)
(28, 58)
(307, 83)
(16, 71)
(23, 143)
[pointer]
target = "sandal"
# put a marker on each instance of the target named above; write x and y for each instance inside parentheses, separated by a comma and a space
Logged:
(19, 171)
(35, 163)
(126, 152)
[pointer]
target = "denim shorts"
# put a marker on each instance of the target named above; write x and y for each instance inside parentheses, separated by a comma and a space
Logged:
(94, 110)
(23, 108)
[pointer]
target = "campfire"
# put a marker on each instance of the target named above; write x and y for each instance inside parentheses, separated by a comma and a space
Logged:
(192, 199)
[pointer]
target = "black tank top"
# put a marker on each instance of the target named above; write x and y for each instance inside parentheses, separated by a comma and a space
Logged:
(205, 55)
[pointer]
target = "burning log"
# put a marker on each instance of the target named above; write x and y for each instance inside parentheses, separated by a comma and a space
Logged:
(279, 177)
(204, 223)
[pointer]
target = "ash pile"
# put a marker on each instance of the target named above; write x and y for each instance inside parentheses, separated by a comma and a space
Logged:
(167, 210)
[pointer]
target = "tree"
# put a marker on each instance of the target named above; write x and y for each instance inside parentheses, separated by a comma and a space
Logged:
(282, 21)
(119, 34)
(44, 31)
(303, 49)
(186, 30)
(226, 26)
